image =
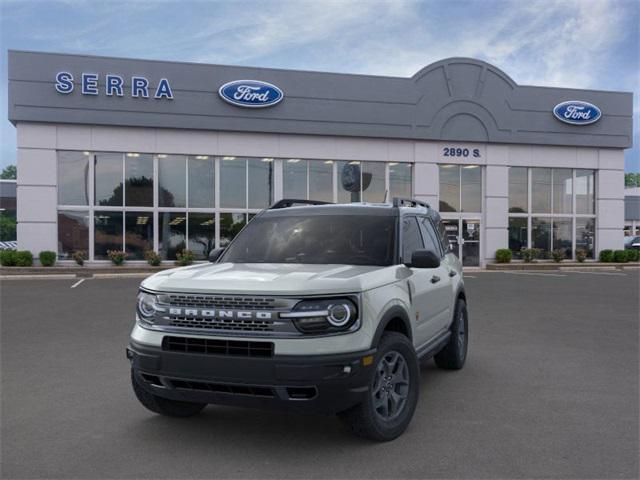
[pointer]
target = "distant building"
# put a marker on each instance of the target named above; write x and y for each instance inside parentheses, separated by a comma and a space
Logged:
(7, 213)
(632, 211)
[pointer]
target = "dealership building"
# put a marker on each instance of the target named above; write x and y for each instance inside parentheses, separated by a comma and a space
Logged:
(141, 155)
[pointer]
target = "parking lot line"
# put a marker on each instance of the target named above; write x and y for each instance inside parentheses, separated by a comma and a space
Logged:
(599, 273)
(538, 274)
(78, 283)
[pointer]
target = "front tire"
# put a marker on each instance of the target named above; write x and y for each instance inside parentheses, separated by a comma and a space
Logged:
(164, 406)
(454, 354)
(393, 392)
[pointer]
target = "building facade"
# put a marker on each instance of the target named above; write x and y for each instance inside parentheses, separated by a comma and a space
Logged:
(142, 155)
(632, 211)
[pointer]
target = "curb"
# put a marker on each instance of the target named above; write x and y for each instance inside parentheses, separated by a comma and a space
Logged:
(561, 266)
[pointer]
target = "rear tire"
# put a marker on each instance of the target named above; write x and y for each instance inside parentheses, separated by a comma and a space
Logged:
(454, 354)
(164, 406)
(393, 392)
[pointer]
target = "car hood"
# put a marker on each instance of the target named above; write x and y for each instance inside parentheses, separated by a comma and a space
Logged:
(271, 278)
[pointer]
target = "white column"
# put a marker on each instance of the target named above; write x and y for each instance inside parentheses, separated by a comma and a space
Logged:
(36, 194)
(496, 210)
(610, 200)
(426, 178)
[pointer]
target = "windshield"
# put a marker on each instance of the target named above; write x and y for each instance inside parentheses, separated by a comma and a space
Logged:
(322, 239)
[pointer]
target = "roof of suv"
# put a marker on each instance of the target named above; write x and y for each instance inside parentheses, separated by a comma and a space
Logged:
(363, 208)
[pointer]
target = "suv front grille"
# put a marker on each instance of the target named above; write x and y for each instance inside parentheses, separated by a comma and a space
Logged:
(222, 302)
(222, 324)
(218, 347)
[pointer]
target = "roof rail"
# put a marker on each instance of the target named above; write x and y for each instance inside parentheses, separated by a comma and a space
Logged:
(290, 202)
(409, 202)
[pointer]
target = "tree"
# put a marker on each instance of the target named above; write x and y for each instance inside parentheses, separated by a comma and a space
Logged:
(632, 180)
(9, 173)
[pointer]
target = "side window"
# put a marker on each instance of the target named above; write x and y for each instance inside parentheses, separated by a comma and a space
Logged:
(411, 239)
(431, 241)
(444, 238)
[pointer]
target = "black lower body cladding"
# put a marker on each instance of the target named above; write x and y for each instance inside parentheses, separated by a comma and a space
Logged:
(316, 384)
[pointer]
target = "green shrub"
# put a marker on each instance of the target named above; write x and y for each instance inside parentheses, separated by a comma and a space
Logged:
(79, 256)
(531, 254)
(7, 258)
(581, 254)
(503, 255)
(620, 256)
(633, 255)
(185, 257)
(24, 258)
(117, 256)
(558, 255)
(606, 255)
(152, 258)
(47, 258)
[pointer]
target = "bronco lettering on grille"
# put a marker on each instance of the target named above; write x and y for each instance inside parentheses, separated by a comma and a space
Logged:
(209, 313)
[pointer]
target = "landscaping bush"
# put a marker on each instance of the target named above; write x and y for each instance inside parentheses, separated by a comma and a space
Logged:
(7, 258)
(581, 254)
(79, 256)
(117, 256)
(503, 255)
(186, 257)
(152, 258)
(606, 256)
(633, 255)
(620, 256)
(47, 258)
(558, 255)
(24, 258)
(530, 254)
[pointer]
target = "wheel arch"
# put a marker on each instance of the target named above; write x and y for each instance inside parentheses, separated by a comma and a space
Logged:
(395, 319)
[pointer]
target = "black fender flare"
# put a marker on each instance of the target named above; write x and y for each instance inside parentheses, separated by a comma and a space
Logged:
(396, 311)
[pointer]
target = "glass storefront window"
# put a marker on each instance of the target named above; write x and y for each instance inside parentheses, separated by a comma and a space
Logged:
(373, 181)
(230, 226)
(172, 187)
(562, 235)
(294, 178)
(349, 177)
(321, 180)
(471, 188)
(541, 190)
(586, 234)
(541, 235)
(517, 235)
(260, 182)
(172, 234)
(562, 190)
(449, 188)
(138, 236)
(400, 179)
(108, 179)
(107, 233)
(202, 234)
(73, 178)
(73, 233)
(518, 190)
(233, 182)
(138, 173)
(201, 181)
(585, 192)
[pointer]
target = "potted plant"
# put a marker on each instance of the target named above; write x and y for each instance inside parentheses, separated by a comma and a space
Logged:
(79, 256)
(152, 258)
(581, 255)
(117, 256)
(558, 255)
(185, 257)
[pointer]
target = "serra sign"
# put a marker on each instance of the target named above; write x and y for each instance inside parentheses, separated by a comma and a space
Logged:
(113, 85)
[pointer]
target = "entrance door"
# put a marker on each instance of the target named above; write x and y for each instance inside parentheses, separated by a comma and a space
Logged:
(464, 238)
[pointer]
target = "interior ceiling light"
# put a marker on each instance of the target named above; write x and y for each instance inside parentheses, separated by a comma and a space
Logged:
(293, 160)
(202, 157)
(228, 158)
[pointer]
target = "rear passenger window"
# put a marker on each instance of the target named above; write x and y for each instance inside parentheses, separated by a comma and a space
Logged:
(431, 241)
(411, 238)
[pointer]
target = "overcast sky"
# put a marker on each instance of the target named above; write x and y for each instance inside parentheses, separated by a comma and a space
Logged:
(568, 43)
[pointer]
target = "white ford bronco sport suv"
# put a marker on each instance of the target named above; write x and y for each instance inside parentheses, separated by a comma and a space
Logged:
(312, 307)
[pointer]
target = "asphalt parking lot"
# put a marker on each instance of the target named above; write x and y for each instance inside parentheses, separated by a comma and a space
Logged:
(550, 390)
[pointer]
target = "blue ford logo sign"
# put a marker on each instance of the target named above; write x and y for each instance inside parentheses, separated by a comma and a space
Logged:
(250, 93)
(576, 112)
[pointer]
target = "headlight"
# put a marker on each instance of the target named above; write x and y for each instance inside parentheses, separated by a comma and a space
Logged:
(146, 306)
(324, 315)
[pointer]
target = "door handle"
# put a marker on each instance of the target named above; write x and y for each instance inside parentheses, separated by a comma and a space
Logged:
(452, 273)
(435, 279)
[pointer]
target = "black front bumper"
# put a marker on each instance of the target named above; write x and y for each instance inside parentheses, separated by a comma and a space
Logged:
(317, 384)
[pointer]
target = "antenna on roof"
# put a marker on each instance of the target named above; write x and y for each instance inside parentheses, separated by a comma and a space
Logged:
(386, 196)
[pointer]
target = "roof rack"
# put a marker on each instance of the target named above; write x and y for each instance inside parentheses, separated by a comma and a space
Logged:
(290, 202)
(409, 202)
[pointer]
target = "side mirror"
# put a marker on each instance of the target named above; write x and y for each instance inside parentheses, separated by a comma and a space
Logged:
(424, 259)
(214, 254)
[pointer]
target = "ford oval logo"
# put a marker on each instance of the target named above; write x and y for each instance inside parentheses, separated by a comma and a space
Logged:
(576, 112)
(250, 93)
